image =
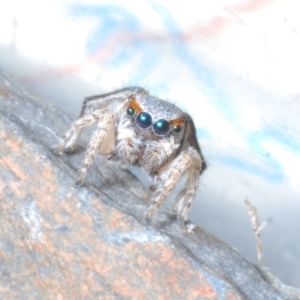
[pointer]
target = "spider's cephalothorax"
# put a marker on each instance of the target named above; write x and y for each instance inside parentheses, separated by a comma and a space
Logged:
(144, 131)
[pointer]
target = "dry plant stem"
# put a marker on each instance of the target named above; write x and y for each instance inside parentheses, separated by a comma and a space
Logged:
(252, 212)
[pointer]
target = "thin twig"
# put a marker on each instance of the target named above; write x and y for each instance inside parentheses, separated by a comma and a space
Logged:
(252, 212)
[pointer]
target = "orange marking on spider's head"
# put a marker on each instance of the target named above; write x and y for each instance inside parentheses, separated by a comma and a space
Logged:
(177, 122)
(134, 104)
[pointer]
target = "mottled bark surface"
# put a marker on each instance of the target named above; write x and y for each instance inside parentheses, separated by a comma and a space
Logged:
(60, 242)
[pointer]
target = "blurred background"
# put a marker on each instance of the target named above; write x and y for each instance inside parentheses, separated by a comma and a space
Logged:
(232, 64)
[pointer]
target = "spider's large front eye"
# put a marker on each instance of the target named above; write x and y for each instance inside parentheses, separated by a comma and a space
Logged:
(144, 120)
(130, 111)
(161, 127)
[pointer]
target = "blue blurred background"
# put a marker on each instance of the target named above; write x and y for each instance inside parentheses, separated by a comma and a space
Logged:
(233, 65)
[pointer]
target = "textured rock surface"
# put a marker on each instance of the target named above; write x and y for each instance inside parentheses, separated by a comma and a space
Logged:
(59, 242)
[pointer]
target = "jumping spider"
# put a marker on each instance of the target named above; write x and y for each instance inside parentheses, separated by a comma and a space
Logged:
(143, 131)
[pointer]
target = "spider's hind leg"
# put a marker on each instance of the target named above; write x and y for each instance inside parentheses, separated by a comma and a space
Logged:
(96, 102)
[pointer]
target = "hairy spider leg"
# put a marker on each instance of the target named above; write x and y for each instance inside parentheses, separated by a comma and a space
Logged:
(184, 200)
(104, 123)
(170, 178)
(69, 140)
(92, 103)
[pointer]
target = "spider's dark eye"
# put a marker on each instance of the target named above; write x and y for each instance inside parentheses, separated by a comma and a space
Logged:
(130, 111)
(177, 128)
(161, 127)
(144, 120)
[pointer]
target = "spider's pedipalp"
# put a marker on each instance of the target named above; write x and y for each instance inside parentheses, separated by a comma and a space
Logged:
(157, 154)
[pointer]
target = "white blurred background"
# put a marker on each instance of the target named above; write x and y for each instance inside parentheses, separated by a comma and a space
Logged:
(232, 64)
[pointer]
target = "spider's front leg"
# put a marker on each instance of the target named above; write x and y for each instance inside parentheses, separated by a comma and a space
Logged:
(103, 141)
(92, 109)
(168, 180)
(184, 200)
(68, 142)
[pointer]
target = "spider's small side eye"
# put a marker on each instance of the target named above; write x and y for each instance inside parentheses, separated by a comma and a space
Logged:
(177, 128)
(161, 127)
(130, 111)
(144, 120)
